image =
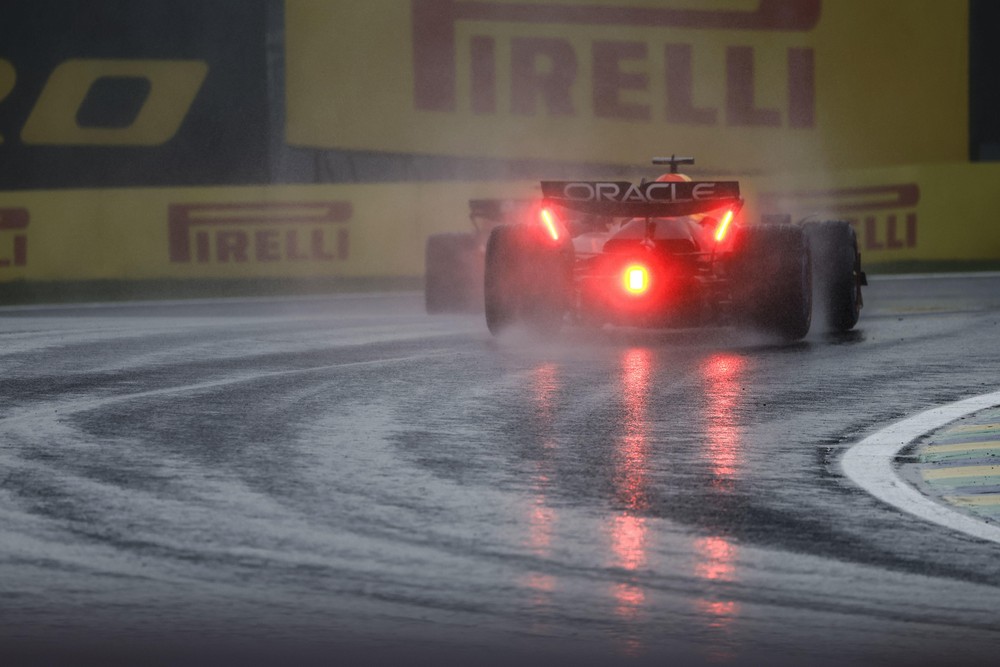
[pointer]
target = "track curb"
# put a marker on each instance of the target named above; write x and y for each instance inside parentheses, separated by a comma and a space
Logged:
(871, 464)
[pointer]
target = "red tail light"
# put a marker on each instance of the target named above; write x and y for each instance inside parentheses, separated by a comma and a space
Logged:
(635, 279)
(723, 228)
(550, 225)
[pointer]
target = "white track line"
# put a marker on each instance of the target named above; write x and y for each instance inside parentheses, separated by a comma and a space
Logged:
(888, 277)
(869, 464)
(210, 301)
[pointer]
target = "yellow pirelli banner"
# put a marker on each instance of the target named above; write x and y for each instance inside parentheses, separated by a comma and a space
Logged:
(921, 213)
(749, 86)
(231, 232)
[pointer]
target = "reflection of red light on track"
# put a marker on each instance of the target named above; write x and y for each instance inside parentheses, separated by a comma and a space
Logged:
(541, 517)
(628, 531)
(628, 536)
(630, 598)
(720, 613)
(722, 373)
(542, 583)
(544, 385)
(716, 565)
(636, 365)
(633, 446)
(717, 556)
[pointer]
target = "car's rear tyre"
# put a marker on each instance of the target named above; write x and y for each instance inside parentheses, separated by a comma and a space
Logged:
(453, 273)
(526, 281)
(836, 273)
(772, 281)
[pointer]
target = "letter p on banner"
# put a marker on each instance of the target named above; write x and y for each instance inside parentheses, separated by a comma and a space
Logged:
(173, 85)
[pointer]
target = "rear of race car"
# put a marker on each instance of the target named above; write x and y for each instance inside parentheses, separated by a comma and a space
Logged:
(528, 278)
(660, 265)
(660, 280)
(667, 253)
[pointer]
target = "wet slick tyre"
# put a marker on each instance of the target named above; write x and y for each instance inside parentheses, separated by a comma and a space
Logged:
(836, 273)
(453, 270)
(773, 280)
(526, 281)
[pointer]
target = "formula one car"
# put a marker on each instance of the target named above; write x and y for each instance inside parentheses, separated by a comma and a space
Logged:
(455, 261)
(668, 253)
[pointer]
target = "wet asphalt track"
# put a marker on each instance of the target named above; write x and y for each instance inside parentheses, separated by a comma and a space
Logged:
(304, 480)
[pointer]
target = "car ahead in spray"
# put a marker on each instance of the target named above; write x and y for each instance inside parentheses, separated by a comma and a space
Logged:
(454, 261)
(668, 253)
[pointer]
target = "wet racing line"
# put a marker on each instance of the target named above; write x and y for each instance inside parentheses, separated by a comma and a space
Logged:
(935, 468)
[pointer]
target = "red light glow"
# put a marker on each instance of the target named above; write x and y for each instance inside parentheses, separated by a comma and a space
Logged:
(723, 228)
(540, 514)
(718, 559)
(636, 279)
(628, 535)
(630, 598)
(549, 222)
(633, 446)
(628, 530)
(723, 374)
(717, 567)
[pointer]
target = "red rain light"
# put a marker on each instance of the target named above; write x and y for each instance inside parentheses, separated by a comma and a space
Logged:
(723, 228)
(636, 279)
(548, 221)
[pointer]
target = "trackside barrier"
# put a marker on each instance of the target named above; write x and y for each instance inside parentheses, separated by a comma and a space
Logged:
(320, 231)
(920, 213)
(848, 83)
(915, 213)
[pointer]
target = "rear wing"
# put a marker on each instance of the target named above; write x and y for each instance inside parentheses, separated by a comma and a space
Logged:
(643, 200)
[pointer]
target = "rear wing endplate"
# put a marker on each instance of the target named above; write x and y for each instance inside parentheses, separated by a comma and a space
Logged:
(656, 199)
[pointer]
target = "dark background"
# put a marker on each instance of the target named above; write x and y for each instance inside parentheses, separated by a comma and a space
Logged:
(984, 84)
(222, 141)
